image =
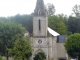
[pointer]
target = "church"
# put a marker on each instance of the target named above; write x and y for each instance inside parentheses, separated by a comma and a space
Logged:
(44, 38)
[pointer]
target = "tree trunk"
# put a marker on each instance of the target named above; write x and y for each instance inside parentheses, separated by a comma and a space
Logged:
(7, 55)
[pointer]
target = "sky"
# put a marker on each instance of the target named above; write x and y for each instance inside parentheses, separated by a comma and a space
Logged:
(13, 7)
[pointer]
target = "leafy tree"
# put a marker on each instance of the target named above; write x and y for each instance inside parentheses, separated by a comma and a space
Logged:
(72, 45)
(73, 24)
(50, 9)
(63, 18)
(4, 18)
(8, 30)
(57, 24)
(76, 10)
(25, 20)
(21, 49)
(40, 56)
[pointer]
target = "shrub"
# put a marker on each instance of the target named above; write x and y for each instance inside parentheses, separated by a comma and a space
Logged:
(0, 57)
(40, 56)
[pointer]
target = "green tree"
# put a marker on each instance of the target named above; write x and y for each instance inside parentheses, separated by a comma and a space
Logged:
(73, 24)
(8, 30)
(57, 24)
(22, 49)
(40, 56)
(4, 18)
(72, 45)
(25, 20)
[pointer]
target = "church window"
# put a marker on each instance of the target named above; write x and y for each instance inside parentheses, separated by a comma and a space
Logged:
(39, 41)
(39, 24)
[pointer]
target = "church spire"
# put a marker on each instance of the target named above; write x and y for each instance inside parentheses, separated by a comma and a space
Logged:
(40, 9)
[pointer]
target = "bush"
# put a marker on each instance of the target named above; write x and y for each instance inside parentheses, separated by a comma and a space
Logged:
(40, 56)
(72, 45)
(0, 57)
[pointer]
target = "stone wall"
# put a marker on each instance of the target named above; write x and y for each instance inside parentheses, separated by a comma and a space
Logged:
(61, 52)
(43, 46)
(50, 47)
(54, 48)
(43, 24)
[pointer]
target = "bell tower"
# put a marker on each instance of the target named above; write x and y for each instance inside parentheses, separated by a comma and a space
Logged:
(40, 25)
(40, 22)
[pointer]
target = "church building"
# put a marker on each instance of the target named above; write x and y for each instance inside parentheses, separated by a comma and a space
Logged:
(44, 38)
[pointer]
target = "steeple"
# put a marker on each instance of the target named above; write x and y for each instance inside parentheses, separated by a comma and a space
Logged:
(40, 9)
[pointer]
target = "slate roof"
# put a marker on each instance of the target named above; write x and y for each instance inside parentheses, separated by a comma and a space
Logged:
(40, 8)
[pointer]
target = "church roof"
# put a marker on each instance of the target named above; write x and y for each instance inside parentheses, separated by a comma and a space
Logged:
(40, 9)
(52, 32)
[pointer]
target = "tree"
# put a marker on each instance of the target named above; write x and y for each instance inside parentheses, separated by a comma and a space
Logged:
(4, 18)
(40, 56)
(0, 57)
(72, 45)
(8, 31)
(21, 49)
(76, 10)
(57, 24)
(73, 24)
(25, 20)
(50, 9)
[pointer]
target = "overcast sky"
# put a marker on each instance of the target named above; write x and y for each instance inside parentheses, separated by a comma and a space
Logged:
(13, 7)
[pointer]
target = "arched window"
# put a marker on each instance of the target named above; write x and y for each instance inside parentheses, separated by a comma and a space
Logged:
(39, 13)
(39, 24)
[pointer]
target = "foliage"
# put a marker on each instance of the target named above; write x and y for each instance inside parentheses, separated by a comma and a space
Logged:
(4, 18)
(72, 45)
(73, 24)
(76, 10)
(25, 20)
(21, 49)
(57, 24)
(40, 56)
(8, 30)
(0, 57)
(50, 9)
